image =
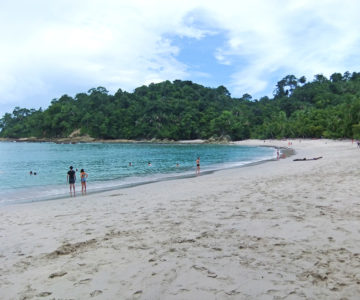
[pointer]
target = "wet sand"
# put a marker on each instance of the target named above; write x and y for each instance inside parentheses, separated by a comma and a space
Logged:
(279, 230)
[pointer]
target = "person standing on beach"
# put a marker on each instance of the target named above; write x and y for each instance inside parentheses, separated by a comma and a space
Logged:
(198, 165)
(71, 178)
(83, 177)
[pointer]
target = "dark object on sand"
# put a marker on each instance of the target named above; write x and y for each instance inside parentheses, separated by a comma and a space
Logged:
(303, 159)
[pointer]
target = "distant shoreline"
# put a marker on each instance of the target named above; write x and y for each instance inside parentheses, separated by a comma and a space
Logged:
(220, 140)
(87, 139)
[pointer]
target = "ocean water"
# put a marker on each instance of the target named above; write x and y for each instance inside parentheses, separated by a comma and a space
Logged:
(108, 165)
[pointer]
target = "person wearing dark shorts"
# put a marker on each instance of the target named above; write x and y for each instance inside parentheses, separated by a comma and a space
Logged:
(71, 178)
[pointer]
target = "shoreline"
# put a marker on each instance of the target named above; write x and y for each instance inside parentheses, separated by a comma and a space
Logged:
(87, 139)
(282, 229)
(163, 177)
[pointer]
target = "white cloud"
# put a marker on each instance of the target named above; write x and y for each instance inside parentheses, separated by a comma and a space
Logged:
(289, 37)
(49, 48)
(118, 44)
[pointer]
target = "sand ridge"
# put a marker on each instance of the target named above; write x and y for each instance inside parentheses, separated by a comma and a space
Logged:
(279, 230)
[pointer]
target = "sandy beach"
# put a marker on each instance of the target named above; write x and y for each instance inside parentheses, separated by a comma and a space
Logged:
(279, 230)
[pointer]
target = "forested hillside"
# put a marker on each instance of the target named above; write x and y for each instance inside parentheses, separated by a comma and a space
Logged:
(184, 110)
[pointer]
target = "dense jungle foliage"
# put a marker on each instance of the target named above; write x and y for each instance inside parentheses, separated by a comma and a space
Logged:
(176, 110)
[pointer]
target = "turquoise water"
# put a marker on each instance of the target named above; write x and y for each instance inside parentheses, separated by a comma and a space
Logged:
(108, 165)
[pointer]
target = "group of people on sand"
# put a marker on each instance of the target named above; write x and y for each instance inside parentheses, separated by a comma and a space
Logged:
(71, 179)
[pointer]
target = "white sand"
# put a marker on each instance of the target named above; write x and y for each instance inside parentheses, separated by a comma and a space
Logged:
(279, 230)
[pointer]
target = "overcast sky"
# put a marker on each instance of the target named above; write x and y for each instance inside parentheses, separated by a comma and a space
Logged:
(52, 48)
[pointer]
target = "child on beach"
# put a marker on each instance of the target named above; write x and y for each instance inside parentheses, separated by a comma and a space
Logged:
(198, 165)
(83, 177)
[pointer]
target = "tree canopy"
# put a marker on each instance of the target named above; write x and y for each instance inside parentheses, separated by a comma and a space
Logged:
(185, 110)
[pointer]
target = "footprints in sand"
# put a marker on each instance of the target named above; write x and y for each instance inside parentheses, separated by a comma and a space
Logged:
(96, 293)
(43, 294)
(205, 271)
(71, 248)
(57, 274)
(83, 281)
